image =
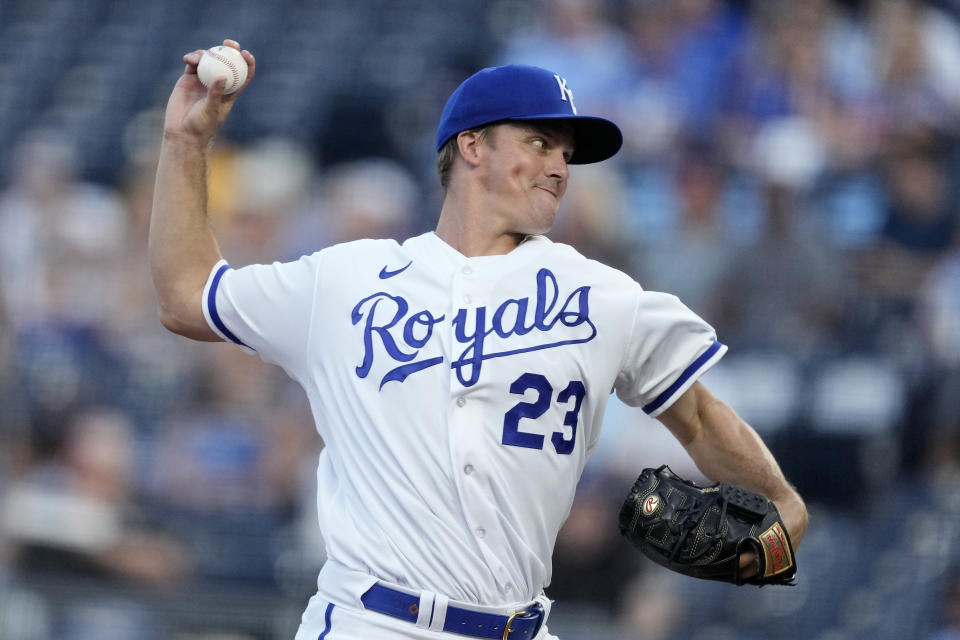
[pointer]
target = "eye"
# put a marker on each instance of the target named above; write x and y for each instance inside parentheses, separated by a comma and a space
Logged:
(539, 143)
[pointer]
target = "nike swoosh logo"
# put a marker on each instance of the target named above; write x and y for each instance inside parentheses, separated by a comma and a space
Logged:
(386, 273)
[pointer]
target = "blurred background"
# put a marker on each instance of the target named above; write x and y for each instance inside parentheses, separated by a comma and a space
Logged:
(790, 171)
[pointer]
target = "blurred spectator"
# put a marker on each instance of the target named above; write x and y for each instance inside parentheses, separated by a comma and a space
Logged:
(651, 607)
(788, 291)
(921, 219)
(370, 198)
(59, 237)
(591, 216)
(781, 68)
(916, 52)
(215, 453)
(255, 190)
(680, 59)
(76, 512)
(589, 561)
(228, 466)
(782, 293)
(688, 262)
(578, 40)
(154, 368)
(61, 249)
(922, 209)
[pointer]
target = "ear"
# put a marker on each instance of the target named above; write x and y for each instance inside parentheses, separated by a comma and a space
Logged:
(470, 145)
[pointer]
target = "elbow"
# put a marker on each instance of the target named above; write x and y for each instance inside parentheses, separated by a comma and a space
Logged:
(171, 321)
(180, 318)
(179, 300)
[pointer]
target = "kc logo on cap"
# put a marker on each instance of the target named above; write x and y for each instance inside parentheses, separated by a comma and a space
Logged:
(565, 93)
(523, 92)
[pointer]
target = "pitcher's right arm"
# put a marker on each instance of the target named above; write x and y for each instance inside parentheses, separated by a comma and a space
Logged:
(181, 246)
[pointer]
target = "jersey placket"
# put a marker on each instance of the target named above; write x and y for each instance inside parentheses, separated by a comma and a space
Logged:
(467, 437)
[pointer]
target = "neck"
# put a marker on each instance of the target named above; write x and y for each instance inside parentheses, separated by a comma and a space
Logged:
(470, 227)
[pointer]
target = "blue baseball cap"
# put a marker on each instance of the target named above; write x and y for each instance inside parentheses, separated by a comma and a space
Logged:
(522, 92)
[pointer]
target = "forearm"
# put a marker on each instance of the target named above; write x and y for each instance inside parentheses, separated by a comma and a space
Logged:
(727, 449)
(182, 247)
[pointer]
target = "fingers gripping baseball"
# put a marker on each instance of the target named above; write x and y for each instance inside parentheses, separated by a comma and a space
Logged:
(197, 111)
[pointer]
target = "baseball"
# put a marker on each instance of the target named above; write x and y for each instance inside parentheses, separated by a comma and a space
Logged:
(219, 62)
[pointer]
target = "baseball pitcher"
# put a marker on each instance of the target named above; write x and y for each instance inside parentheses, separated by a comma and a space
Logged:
(459, 378)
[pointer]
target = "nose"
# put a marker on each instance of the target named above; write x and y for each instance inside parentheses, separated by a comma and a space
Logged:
(557, 166)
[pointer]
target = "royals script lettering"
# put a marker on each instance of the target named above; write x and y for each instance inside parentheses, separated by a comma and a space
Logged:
(391, 329)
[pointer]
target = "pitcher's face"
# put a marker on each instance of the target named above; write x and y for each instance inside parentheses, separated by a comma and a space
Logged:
(526, 172)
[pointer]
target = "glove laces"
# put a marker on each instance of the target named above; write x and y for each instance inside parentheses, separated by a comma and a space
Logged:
(685, 521)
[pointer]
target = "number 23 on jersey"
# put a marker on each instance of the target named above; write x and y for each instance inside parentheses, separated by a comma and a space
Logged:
(563, 441)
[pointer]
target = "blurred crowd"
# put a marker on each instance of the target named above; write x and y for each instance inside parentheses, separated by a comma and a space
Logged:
(789, 171)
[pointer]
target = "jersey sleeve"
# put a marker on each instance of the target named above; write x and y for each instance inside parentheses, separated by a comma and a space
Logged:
(264, 308)
(669, 349)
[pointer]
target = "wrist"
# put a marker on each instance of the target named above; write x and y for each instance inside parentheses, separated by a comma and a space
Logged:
(182, 139)
(793, 512)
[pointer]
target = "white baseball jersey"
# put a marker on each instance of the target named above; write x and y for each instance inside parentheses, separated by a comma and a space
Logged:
(459, 398)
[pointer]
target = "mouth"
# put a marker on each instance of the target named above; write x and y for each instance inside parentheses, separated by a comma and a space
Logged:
(547, 190)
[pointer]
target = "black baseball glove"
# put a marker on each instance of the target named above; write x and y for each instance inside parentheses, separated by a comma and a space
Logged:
(701, 531)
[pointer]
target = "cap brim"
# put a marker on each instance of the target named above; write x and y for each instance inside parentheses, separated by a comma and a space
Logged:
(594, 139)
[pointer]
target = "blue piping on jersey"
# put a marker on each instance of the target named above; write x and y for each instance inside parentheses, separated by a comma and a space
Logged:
(212, 307)
(687, 373)
(326, 619)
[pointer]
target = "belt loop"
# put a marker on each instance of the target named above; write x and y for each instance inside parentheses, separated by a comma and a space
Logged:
(426, 609)
(546, 603)
(439, 612)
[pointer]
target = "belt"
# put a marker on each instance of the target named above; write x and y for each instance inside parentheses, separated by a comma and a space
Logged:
(522, 625)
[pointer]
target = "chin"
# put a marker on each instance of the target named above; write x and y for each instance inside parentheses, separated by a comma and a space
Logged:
(540, 229)
(538, 220)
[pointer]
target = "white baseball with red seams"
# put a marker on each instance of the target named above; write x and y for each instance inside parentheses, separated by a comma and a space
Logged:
(222, 62)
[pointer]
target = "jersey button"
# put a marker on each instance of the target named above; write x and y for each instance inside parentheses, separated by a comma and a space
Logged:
(461, 401)
(468, 469)
(466, 299)
(481, 532)
(466, 271)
